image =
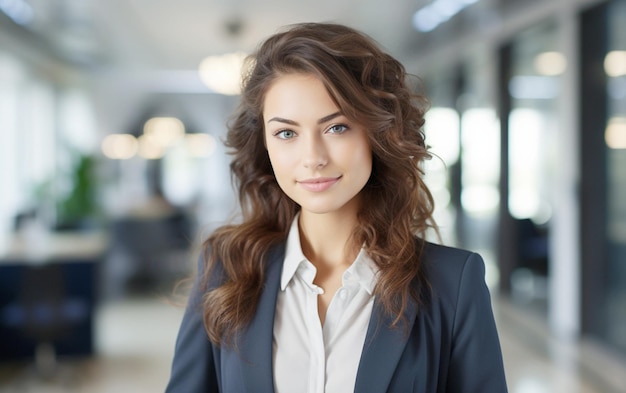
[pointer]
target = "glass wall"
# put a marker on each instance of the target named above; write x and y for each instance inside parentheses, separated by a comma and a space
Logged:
(480, 159)
(442, 131)
(534, 89)
(463, 132)
(28, 148)
(47, 124)
(615, 137)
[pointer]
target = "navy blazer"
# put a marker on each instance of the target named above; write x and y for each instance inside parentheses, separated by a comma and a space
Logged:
(452, 344)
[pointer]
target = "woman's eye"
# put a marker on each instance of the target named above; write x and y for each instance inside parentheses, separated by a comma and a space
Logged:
(285, 134)
(337, 129)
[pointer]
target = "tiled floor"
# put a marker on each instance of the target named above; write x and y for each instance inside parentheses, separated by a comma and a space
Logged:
(135, 340)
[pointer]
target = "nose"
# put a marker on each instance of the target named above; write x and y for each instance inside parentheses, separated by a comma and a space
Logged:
(314, 152)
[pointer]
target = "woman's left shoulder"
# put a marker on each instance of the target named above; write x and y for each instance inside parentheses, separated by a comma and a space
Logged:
(446, 268)
(447, 257)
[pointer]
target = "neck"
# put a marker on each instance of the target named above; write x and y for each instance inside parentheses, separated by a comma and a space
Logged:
(326, 239)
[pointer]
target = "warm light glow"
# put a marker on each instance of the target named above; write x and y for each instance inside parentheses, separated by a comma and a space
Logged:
(164, 131)
(222, 74)
(119, 146)
(615, 63)
(200, 145)
(550, 63)
(150, 148)
(615, 134)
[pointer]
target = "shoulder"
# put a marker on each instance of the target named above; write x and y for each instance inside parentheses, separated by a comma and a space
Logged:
(446, 259)
(437, 250)
(450, 270)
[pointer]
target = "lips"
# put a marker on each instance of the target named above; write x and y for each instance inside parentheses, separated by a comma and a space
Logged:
(318, 184)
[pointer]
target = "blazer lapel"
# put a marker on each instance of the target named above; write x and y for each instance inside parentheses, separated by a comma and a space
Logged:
(382, 349)
(255, 343)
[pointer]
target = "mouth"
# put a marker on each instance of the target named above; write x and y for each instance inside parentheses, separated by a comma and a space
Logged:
(318, 184)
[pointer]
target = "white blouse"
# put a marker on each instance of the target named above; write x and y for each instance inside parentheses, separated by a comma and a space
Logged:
(307, 356)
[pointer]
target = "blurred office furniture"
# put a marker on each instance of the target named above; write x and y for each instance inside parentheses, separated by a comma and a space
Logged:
(529, 278)
(532, 246)
(155, 246)
(48, 296)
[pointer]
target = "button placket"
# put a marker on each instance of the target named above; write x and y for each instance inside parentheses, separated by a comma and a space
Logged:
(316, 341)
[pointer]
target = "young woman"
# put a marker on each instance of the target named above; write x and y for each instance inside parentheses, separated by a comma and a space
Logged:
(327, 283)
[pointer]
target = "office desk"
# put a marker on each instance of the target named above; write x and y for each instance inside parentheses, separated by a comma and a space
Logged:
(48, 294)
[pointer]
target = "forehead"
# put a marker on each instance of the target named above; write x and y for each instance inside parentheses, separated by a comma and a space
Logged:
(297, 93)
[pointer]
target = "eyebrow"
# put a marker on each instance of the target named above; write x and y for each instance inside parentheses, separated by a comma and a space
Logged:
(295, 123)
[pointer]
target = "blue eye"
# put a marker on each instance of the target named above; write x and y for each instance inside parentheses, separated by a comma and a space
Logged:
(337, 129)
(285, 134)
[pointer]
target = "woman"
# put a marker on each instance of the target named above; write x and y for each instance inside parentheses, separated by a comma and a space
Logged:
(327, 283)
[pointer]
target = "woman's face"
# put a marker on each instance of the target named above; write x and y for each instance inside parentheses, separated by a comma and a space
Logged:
(321, 160)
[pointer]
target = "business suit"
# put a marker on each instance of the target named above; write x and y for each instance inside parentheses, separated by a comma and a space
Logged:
(452, 344)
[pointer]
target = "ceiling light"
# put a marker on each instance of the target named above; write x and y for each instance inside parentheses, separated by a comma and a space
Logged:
(222, 74)
(425, 20)
(447, 8)
(437, 12)
(150, 148)
(18, 10)
(119, 146)
(550, 63)
(615, 63)
(164, 131)
(615, 134)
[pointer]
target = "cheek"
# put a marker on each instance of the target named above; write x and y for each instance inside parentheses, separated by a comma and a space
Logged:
(363, 159)
(366, 166)
(281, 161)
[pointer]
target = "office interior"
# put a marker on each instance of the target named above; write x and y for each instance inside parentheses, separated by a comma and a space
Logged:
(113, 171)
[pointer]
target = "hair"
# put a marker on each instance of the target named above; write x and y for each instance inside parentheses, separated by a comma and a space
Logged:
(371, 88)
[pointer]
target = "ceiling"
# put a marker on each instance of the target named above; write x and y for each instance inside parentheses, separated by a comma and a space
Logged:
(177, 35)
(138, 52)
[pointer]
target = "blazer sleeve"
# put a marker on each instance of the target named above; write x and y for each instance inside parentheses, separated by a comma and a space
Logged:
(193, 367)
(476, 364)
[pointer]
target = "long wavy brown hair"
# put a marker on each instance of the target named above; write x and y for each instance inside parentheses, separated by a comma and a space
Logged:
(371, 88)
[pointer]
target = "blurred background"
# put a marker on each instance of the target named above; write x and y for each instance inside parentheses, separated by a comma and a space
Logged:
(112, 171)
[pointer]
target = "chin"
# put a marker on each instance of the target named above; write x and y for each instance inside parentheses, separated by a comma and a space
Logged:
(321, 208)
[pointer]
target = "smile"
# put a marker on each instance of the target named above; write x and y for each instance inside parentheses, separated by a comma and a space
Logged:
(318, 184)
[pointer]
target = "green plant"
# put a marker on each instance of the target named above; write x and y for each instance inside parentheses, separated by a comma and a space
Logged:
(80, 204)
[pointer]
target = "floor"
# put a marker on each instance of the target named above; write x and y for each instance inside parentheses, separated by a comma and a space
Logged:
(536, 362)
(135, 340)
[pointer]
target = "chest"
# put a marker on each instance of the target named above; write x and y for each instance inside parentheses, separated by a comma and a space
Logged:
(321, 354)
